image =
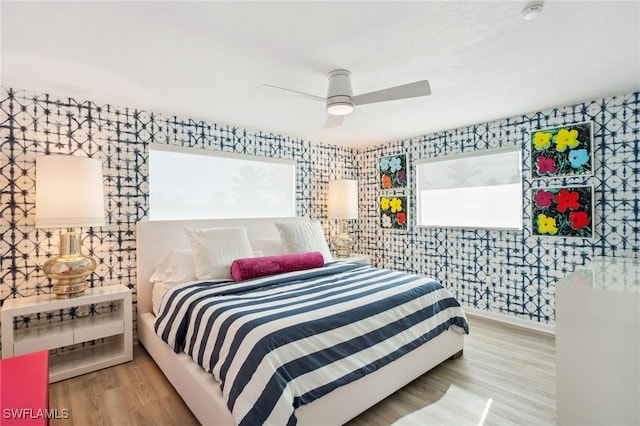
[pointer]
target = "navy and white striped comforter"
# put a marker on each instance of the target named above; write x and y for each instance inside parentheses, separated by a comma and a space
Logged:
(277, 342)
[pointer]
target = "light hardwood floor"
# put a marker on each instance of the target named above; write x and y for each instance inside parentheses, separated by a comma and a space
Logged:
(505, 377)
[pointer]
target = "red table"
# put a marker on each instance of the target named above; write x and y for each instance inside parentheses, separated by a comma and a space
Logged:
(24, 390)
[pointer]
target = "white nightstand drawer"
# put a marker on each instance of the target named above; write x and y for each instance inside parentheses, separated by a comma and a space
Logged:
(98, 326)
(42, 337)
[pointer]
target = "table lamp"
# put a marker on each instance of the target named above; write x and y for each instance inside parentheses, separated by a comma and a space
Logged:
(69, 193)
(343, 205)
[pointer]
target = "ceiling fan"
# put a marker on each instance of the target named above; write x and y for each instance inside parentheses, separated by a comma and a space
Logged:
(340, 100)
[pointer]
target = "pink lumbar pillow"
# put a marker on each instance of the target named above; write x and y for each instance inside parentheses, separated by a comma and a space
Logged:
(254, 267)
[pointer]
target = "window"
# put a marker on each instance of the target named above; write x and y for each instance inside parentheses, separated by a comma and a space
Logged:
(192, 183)
(478, 190)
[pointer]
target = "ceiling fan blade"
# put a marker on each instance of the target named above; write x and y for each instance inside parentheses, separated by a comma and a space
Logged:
(333, 121)
(411, 90)
(306, 95)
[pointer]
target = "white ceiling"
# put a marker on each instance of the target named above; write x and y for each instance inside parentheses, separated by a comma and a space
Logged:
(204, 60)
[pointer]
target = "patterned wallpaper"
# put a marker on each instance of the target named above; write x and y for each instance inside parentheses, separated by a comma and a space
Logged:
(33, 124)
(513, 272)
(503, 272)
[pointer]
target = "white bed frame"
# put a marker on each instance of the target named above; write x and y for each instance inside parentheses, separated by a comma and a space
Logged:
(199, 389)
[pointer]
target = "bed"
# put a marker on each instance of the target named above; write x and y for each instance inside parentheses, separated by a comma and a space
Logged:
(200, 390)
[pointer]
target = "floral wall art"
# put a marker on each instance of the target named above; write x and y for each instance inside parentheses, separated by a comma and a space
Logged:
(393, 212)
(393, 171)
(562, 151)
(563, 212)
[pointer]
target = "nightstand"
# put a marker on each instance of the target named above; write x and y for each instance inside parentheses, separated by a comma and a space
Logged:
(355, 258)
(116, 326)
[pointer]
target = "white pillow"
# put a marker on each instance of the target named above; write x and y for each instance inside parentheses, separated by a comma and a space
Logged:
(175, 268)
(268, 247)
(300, 237)
(214, 249)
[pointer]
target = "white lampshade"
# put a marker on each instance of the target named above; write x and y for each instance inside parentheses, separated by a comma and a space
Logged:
(69, 192)
(343, 199)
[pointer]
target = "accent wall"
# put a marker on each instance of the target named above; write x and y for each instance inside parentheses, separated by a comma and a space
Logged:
(513, 272)
(500, 272)
(34, 124)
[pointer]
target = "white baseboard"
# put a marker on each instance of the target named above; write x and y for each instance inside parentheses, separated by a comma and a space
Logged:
(518, 322)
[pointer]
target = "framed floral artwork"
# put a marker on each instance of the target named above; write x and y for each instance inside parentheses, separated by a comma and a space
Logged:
(562, 151)
(393, 212)
(393, 171)
(563, 212)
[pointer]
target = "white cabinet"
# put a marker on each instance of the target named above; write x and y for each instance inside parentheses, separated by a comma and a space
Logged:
(116, 327)
(598, 344)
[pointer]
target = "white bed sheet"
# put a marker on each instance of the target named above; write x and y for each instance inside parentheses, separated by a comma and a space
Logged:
(158, 291)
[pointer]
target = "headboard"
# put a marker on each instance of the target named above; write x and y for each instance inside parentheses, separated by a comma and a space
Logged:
(155, 238)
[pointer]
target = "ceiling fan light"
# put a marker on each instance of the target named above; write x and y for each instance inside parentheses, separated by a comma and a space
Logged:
(340, 108)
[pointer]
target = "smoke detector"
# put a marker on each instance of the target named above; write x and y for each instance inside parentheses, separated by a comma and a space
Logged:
(532, 11)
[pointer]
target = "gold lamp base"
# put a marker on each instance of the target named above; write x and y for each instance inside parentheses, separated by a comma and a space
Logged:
(70, 268)
(343, 241)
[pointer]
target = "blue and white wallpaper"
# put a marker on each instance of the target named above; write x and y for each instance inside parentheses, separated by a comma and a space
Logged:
(502, 272)
(513, 272)
(33, 124)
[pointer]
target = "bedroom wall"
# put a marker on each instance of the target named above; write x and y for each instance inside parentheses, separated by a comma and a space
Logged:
(500, 272)
(33, 124)
(508, 272)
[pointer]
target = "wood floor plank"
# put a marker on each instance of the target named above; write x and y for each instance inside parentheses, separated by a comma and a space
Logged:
(505, 377)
